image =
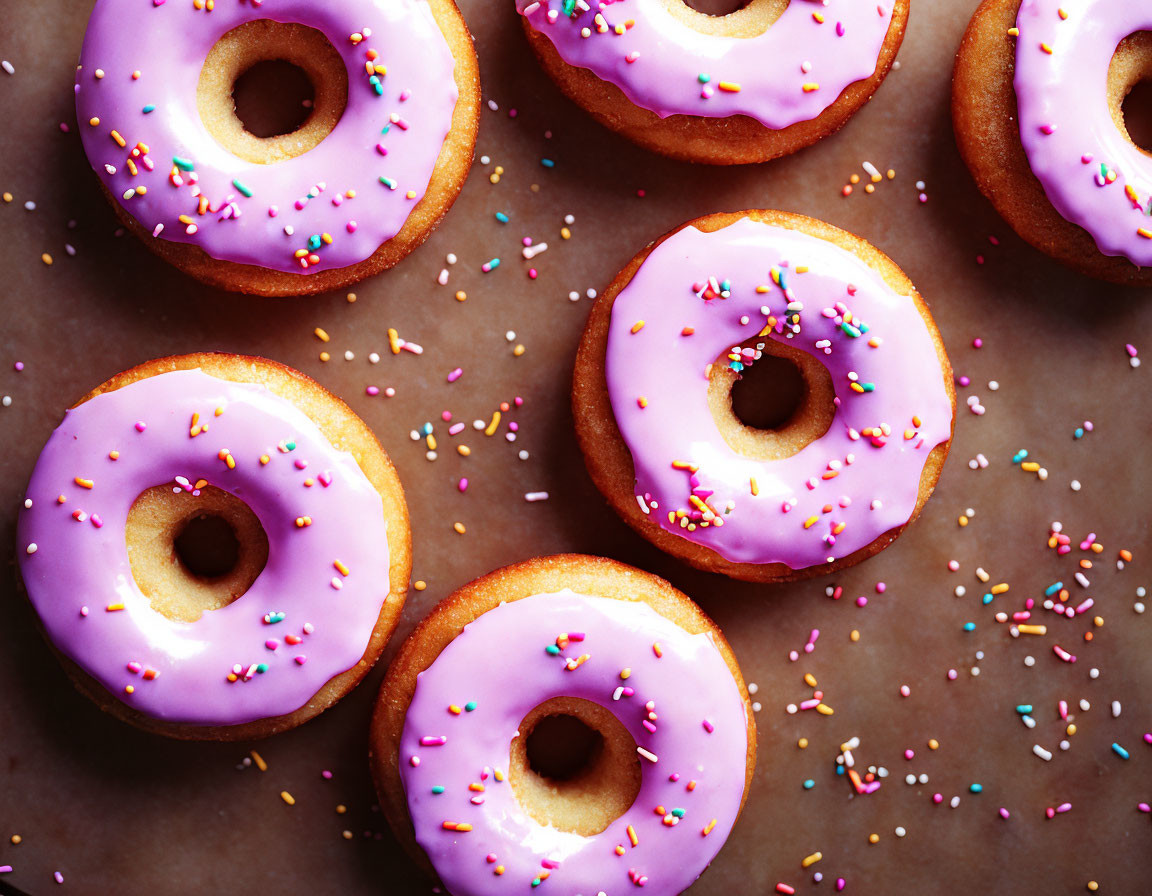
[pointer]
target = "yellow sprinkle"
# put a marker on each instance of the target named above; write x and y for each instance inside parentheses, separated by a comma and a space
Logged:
(322, 334)
(351, 296)
(565, 233)
(963, 520)
(129, 689)
(120, 141)
(1144, 232)
(933, 744)
(340, 567)
(84, 483)
(802, 743)
(324, 356)
(490, 429)
(1032, 629)
(632, 838)
(455, 710)
(461, 295)
(1092, 885)
(808, 861)
(873, 838)
(999, 589)
(1030, 466)
(810, 87)
(264, 459)
(658, 650)
(707, 829)
(287, 797)
(112, 608)
(47, 259)
(638, 326)
(419, 584)
(642, 401)
(810, 522)
(17, 839)
(1071, 729)
(519, 350)
(94, 121)
(729, 86)
(259, 760)
(855, 635)
(625, 672)
(463, 450)
(459, 527)
(754, 486)
(1013, 32)
(824, 709)
(1047, 49)
(394, 341)
(810, 679)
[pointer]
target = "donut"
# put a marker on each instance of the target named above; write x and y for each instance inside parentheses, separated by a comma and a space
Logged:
(831, 483)
(568, 719)
(381, 157)
(315, 546)
(759, 83)
(1036, 107)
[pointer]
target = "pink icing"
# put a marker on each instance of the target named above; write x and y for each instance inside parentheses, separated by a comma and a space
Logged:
(1091, 172)
(77, 570)
(790, 73)
(691, 689)
(293, 200)
(840, 492)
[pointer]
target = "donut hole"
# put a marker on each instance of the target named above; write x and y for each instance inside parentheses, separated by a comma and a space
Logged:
(774, 407)
(574, 766)
(1130, 89)
(253, 87)
(730, 18)
(193, 552)
(273, 97)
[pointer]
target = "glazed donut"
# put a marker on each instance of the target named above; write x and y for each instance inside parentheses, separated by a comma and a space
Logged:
(614, 659)
(318, 521)
(758, 83)
(363, 182)
(1036, 105)
(652, 396)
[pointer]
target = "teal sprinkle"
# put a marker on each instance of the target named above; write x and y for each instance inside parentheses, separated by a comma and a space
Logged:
(149, 108)
(703, 77)
(864, 328)
(493, 264)
(470, 706)
(679, 813)
(840, 770)
(552, 650)
(291, 446)
(969, 626)
(868, 387)
(569, 7)
(976, 788)
(1019, 455)
(809, 784)
(547, 163)
(1120, 751)
(1053, 588)
(1079, 433)
(376, 85)
(736, 365)
(725, 285)
(183, 164)
(243, 189)
(1024, 708)
(536, 882)
(386, 128)
(850, 330)
(314, 241)
(1103, 170)
(262, 668)
(388, 182)
(988, 598)
(273, 618)
(501, 217)
(426, 429)
(438, 789)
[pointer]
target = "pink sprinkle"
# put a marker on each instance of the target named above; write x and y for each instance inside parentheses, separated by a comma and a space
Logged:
(1063, 654)
(59, 878)
(326, 775)
(99, 523)
(301, 463)
(141, 426)
(300, 661)
(953, 565)
(840, 884)
(455, 374)
(433, 740)
(905, 691)
(490, 858)
(1144, 807)
(273, 211)
(909, 754)
(83, 611)
(455, 429)
(708, 726)
(861, 601)
(382, 149)
(951, 674)
(1048, 129)
(414, 761)
(977, 342)
(462, 485)
(272, 643)
(937, 798)
(839, 29)
(19, 365)
(5, 869)
(1131, 349)
(881, 587)
(1004, 813)
(351, 226)
(373, 390)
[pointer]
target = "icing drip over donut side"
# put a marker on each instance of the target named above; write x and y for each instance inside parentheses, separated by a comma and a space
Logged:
(308, 616)
(790, 73)
(331, 207)
(505, 663)
(701, 293)
(1093, 175)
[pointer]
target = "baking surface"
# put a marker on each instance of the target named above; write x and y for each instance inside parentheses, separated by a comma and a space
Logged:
(115, 810)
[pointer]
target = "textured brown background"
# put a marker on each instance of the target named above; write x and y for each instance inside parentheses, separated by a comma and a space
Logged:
(117, 811)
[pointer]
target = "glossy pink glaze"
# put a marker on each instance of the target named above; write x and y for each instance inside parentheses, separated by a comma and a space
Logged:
(846, 480)
(79, 566)
(293, 200)
(1091, 172)
(790, 73)
(500, 662)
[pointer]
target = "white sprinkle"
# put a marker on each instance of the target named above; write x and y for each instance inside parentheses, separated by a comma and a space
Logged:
(993, 386)
(1115, 705)
(8, 67)
(6, 401)
(1029, 661)
(1042, 753)
(523, 455)
(348, 356)
(30, 205)
(1085, 706)
(451, 258)
(1093, 673)
(536, 496)
(1075, 485)
(955, 802)
(753, 687)
(31, 549)
(374, 358)
(756, 707)
(651, 757)
(900, 832)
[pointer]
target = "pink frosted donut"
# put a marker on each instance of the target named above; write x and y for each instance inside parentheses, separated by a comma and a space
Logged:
(279, 215)
(315, 617)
